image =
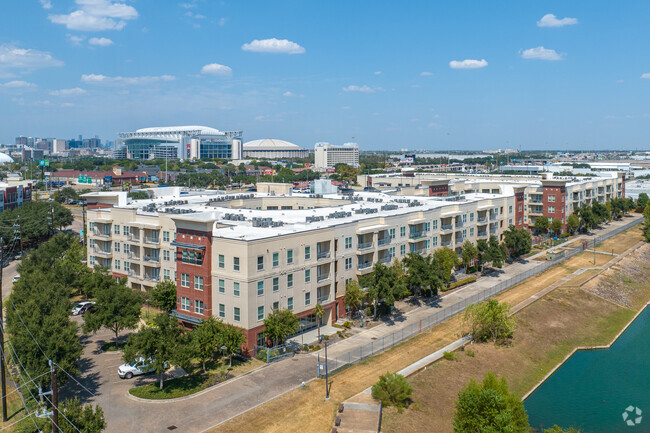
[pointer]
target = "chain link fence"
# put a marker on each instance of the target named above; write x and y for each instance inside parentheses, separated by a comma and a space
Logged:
(396, 337)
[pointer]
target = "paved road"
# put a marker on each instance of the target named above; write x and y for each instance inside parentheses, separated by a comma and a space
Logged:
(233, 398)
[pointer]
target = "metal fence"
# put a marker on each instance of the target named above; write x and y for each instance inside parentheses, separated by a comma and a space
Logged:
(396, 337)
(275, 353)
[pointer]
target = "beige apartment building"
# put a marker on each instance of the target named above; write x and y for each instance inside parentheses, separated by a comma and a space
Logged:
(239, 257)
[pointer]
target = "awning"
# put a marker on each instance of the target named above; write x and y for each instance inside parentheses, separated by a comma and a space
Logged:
(486, 207)
(372, 229)
(188, 246)
(187, 318)
(451, 214)
(145, 225)
(418, 221)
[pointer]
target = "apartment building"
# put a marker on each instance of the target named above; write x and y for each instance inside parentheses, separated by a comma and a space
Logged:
(327, 155)
(239, 257)
(536, 195)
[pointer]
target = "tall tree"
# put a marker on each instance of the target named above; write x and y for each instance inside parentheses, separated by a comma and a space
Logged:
(163, 295)
(279, 324)
(495, 252)
(380, 287)
(518, 241)
(232, 338)
(468, 254)
(489, 320)
(204, 339)
(541, 224)
(353, 295)
(447, 259)
(118, 308)
(572, 223)
(643, 200)
(556, 226)
(161, 344)
(489, 407)
(646, 214)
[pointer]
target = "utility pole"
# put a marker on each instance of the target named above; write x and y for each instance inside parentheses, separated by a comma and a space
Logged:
(55, 401)
(51, 220)
(20, 233)
(327, 385)
(83, 228)
(3, 381)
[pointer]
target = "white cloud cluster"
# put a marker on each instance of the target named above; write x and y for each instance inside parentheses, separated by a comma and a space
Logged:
(646, 76)
(426, 74)
(361, 89)
(290, 94)
(216, 69)
(468, 64)
(17, 84)
(96, 15)
(275, 46)
(75, 91)
(12, 57)
(541, 53)
(46, 4)
(100, 42)
(120, 81)
(550, 20)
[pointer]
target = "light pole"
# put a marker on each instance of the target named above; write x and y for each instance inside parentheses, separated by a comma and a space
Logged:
(223, 349)
(327, 386)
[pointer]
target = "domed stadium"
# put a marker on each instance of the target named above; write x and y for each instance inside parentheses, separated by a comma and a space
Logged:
(271, 148)
(5, 159)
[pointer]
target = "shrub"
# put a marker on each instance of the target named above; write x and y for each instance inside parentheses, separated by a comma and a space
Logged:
(470, 353)
(347, 324)
(489, 320)
(369, 312)
(456, 284)
(450, 356)
(261, 355)
(393, 390)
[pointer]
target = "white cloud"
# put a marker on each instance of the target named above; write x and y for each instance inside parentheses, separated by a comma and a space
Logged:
(550, 20)
(100, 42)
(377, 72)
(468, 64)
(222, 21)
(75, 91)
(17, 84)
(187, 5)
(362, 89)
(216, 69)
(119, 81)
(275, 46)
(46, 4)
(75, 40)
(426, 74)
(289, 94)
(67, 104)
(646, 76)
(12, 57)
(193, 15)
(434, 125)
(541, 53)
(97, 15)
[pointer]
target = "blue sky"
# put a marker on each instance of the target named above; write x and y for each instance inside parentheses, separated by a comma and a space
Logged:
(432, 75)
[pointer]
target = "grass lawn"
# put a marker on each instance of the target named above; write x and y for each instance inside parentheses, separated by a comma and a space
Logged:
(308, 409)
(196, 380)
(148, 313)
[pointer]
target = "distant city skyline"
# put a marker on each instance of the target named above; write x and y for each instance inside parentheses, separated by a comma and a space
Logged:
(419, 75)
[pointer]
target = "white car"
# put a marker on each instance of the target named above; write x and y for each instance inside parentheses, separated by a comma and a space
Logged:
(80, 307)
(135, 368)
(16, 277)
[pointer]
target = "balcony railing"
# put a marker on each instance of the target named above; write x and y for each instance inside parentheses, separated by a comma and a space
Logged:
(445, 243)
(133, 238)
(323, 255)
(101, 251)
(417, 251)
(154, 259)
(102, 233)
(364, 265)
(459, 223)
(323, 298)
(150, 240)
(365, 245)
(133, 255)
(387, 259)
(416, 235)
(383, 241)
(536, 201)
(134, 274)
(482, 219)
(152, 277)
(322, 277)
(493, 231)
(482, 234)
(460, 238)
(446, 226)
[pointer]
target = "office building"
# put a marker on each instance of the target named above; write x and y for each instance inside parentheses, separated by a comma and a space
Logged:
(328, 155)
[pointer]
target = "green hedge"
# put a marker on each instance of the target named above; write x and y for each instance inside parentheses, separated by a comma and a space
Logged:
(459, 283)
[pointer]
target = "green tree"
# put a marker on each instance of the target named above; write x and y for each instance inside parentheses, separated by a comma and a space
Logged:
(468, 254)
(643, 200)
(600, 212)
(518, 241)
(232, 338)
(347, 173)
(204, 339)
(319, 311)
(36, 219)
(489, 320)
(279, 324)
(118, 308)
(162, 344)
(572, 223)
(556, 226)
(489, 407)
(558, 429)
(353, 295)
(83, 417)
(646, 214)
(587, 217)
(393, 390)
(495, 252)
(138, 195)
(65, 194)
(541, 224)
(447, 260)
(380, 287)
(163, 295)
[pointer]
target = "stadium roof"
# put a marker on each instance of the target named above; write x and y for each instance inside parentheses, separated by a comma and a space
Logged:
(270, 144)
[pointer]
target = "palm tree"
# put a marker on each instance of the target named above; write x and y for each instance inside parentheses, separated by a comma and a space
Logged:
(319, 311)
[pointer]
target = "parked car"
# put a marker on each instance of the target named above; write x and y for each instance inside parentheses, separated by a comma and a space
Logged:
(86, 308)
(136, 368)
(81, 306)
(16, 277)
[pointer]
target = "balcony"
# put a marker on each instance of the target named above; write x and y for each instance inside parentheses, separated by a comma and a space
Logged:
(152, 259)
(135, 274)
(322, 277)
(365, 246)
(102, 252)
(102, 233)
(152, 277)
(323, 255)
(417, 235)
(151, 240)
(493, 231)
(133, 256)
(459, 223)
(483, 234)
(323, 299)
(446, 226)
(364, 265)
(384, 241)
(482, 219)
(460, 239)
(445, 243)
(133, 238)
(385, 260)
(536, 211)
(417, 251)
(536, 201)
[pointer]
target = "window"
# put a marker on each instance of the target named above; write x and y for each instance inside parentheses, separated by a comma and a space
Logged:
(260, 288)
(290, 280)
(402, 249)
(222, 261)
(435, 241)
(165, 236)
(464, 217)
(260, 263)
(471, 216)
(235, 263)
(289, 256)
(91, 243)
(117, 265)
(307, 253)
(464, 233)
(427, 227)
(276, 284)
(260, 313)
(427, 244)
(185, 303)
(551, 209)
(307, 298)
(166, 274)
(276, 260)
(391, 233)
(116, 229)
(471, 231)
(402, 231)
(551, 198)
(391, 252)
(276, 305)
(185, 280)
(198, 306)
(509, 209)
(222, 310)
(348, 243)
(192, 257)
(307, 275)
(117, 247)
(236, 315)
(166, 255)
(348, 263)
(198, 283)
(290, 303)
(435, 224)
(235, 289)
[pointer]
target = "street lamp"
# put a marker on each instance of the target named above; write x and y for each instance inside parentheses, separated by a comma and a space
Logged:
(223, 349)
(327, 386)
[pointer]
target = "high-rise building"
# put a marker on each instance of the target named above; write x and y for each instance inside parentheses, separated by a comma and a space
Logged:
(327, 155)
(58, 146)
